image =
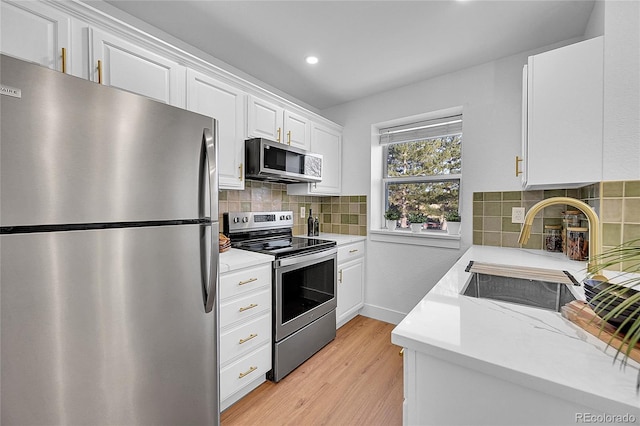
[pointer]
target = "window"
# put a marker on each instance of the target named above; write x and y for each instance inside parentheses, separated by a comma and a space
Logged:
(422, 171)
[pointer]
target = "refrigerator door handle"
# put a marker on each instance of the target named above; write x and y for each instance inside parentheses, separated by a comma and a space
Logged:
(209, 140)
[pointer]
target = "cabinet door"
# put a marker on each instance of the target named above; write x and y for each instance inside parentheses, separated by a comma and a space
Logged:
(127, 66)
(34, 32)
(297, 130)
(265, 120)
(327, 142)
(350, 290)
(565, 116)
(225, 103)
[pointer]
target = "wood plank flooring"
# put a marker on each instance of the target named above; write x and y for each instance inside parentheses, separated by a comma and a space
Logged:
(354, 380)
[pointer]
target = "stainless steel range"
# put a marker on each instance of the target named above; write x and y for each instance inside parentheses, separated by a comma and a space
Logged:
(304, 284)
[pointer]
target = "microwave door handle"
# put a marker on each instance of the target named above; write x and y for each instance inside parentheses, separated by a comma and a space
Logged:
(209, 140)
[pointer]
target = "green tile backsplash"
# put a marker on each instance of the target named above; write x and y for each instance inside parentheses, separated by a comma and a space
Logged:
(616, 203)
(338, 215)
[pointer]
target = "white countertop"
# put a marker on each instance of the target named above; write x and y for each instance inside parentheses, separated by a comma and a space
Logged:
(234, 259)
(340, 239)
(533, 347)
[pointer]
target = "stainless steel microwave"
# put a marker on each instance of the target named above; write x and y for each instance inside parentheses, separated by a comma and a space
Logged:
(276, 162)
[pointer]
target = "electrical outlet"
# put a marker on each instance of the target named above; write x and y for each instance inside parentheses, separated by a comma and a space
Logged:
(302, 212)
(517, 215)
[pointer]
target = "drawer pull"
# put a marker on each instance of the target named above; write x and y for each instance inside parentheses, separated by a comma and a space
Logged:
(251, 306)
(353, 251)
(249, 371)
(250, 280)
(246, 339)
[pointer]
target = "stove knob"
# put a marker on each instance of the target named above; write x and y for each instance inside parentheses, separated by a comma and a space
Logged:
(282, 217)
(236, 219)
(288, 217)
(245, 219)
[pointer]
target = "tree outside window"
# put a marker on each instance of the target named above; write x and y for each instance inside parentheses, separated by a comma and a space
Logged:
(422, 178)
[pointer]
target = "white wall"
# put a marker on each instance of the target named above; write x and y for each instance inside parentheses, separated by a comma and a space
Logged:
(399, 275)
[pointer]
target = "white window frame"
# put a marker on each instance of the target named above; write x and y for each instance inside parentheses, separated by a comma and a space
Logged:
(379, 152)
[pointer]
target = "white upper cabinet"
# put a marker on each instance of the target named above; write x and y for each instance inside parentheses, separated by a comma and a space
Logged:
(208, 96)
(297, 130)
(328, 142)
(563, 117)
(35, 32)
(265, 120)
(122, 64)
(270, 121)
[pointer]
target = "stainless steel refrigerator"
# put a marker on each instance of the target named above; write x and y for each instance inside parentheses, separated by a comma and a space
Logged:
(108, 255)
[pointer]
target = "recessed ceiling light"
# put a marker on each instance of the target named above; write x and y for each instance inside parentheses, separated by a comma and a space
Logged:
(311, 60)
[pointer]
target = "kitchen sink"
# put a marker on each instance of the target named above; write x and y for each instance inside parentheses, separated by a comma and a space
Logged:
(539, 293)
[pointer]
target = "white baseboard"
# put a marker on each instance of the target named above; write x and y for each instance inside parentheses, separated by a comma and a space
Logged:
(382, 314)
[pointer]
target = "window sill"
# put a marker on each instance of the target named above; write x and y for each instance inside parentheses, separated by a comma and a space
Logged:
(424, 238)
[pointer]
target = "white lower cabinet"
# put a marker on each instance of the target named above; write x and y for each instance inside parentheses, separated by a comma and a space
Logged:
(245, 331)
(350, 292)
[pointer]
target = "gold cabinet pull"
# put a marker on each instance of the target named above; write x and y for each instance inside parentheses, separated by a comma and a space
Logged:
(64, 60)
(518, 160)
(340, 277)
(401, 352)
(250, 280)
(279, 134)
(251, 306)
(249, 371)
(99, 72)
(289, 137)
(353, 251)
(240, 167)
(246, 339)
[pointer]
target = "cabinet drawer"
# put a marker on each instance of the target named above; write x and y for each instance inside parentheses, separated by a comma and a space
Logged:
(239, 282)
(244, 371)
(246, 306)
(350, 251)
(242, 340)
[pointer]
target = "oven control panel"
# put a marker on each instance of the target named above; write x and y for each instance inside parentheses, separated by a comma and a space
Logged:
(250, 221)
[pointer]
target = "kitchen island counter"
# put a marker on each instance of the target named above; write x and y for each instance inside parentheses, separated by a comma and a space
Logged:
(533, 350)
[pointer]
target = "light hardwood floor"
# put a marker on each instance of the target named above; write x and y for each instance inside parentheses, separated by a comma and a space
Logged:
(354, 380)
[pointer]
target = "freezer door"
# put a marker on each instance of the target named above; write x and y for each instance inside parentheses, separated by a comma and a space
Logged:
(108, 327)
(76, 152)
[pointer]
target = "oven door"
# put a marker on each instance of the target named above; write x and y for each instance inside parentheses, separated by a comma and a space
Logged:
(305, 290)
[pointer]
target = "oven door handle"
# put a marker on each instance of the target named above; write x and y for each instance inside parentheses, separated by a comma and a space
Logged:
(294, 260)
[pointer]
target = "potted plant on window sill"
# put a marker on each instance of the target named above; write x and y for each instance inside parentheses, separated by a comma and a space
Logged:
(416, 220)
(453, 222)
(392, 215)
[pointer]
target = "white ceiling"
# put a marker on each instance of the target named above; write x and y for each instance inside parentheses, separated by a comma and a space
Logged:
(365, 47)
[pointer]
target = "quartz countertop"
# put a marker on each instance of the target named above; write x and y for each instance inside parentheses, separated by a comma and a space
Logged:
(235, 259)
(340, 239)
(533, 347)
